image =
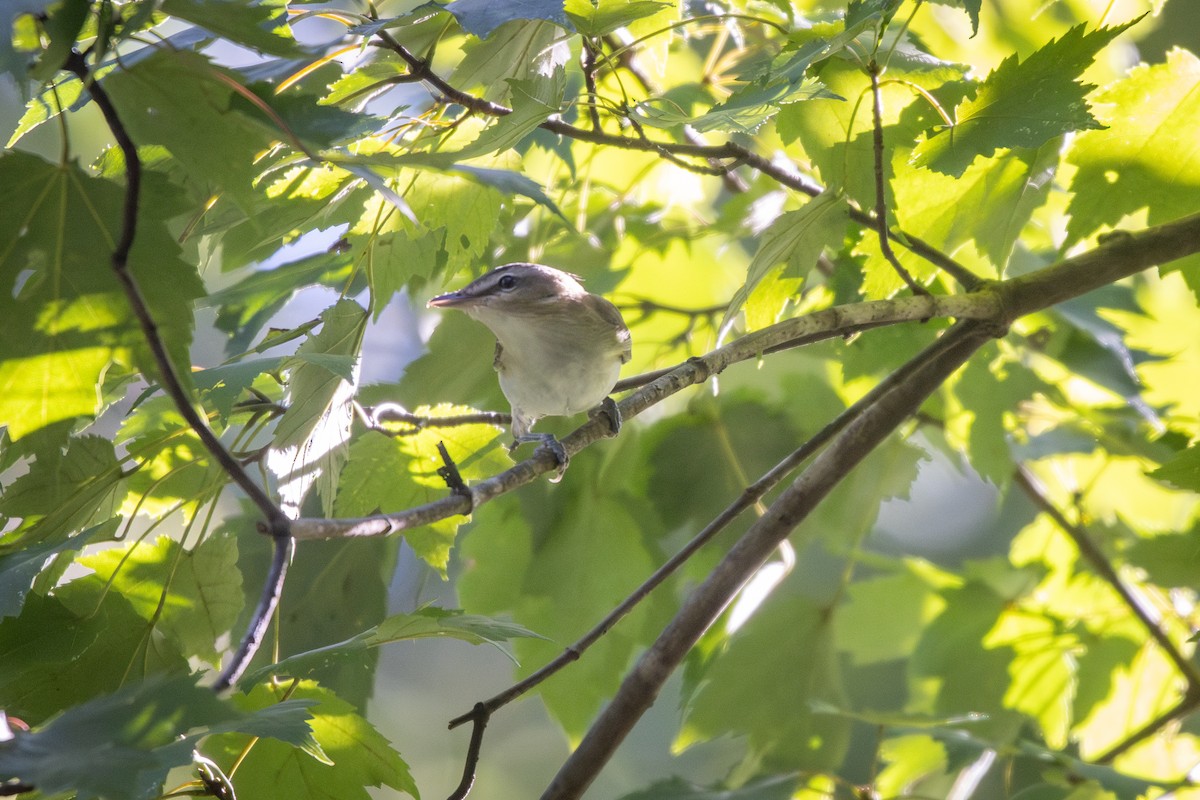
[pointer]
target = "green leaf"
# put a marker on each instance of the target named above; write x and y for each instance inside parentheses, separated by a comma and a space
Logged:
(179, 100)
(953, 671)
(605, 16)
(356, 755)
(1021, 103)
(511, 183)
(387, 474)
(1146, 159)
(334, 592)
(1182, 471)
(798, 238)
(247, 306)
(884, 617)
(62, 26)
(66, 316)
(424, 623)
(311, 385)
(533, 101)
(523, 50)
(1170, 559)
(749, 107)
(193, 597)
(987, 392)
(261, 24)
(557, 565)
(20, 567)
(481, 17)
(80, 642)
(121, 746)
(64, 493)
(744, 691)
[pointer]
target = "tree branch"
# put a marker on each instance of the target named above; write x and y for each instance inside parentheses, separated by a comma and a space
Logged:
(714, 154)
(1092, 554)
(642, 684)
(881, 226)
(824, 324)
(275, 522)
(749, 497)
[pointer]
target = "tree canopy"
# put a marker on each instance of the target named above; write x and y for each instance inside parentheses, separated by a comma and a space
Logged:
(864, 248)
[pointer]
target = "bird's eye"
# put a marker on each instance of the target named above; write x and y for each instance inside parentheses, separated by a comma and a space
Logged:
(506, 282)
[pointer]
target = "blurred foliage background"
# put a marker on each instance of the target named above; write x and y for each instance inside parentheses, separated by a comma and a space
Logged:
(999, 602)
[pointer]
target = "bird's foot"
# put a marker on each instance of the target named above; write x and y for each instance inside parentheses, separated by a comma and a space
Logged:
(546, 441)
(608, 407)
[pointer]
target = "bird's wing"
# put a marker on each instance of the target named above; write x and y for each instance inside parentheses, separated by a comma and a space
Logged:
(611, 314)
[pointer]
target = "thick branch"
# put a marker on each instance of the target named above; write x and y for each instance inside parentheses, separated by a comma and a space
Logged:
(645, 680)
(749, 497)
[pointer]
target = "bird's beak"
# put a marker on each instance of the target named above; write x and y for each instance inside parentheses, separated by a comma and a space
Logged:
(449, 300)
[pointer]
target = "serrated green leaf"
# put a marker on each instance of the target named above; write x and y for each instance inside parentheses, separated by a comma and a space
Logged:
(1146, 159)
(194, 597)
(525, 50)
(884, 616)
(121, 746)
(20, 567)
(1021, 103)
(797, 238)
(558, 572)
(481, 17)
(605, 16)
(744, 691)
(63, 493)
(311, 386)
(424, 623)
(355, 754)
(247, 306)
(67, 318)
(1182, 471)
(261, 25)
(178, 100)
(62, 26)
(103, 644)
(393, 473)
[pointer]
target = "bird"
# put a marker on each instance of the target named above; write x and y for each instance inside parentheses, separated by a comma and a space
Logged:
(559, 348)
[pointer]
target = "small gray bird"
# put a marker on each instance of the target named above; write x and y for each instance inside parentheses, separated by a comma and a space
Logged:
(559, 349)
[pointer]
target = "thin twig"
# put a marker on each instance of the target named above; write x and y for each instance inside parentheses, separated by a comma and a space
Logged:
(628, 61)
(373, 416)
(750, 496)
(479, 715)
(275, 522)
(1186, 705)
(281, 556)
(588, 60)
(450, 474)
(1093, 555)
(714, 154)
(881, 225)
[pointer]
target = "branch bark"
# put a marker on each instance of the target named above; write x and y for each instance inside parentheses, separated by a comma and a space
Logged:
(641, 686)
(275, 522)
(831, 322)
